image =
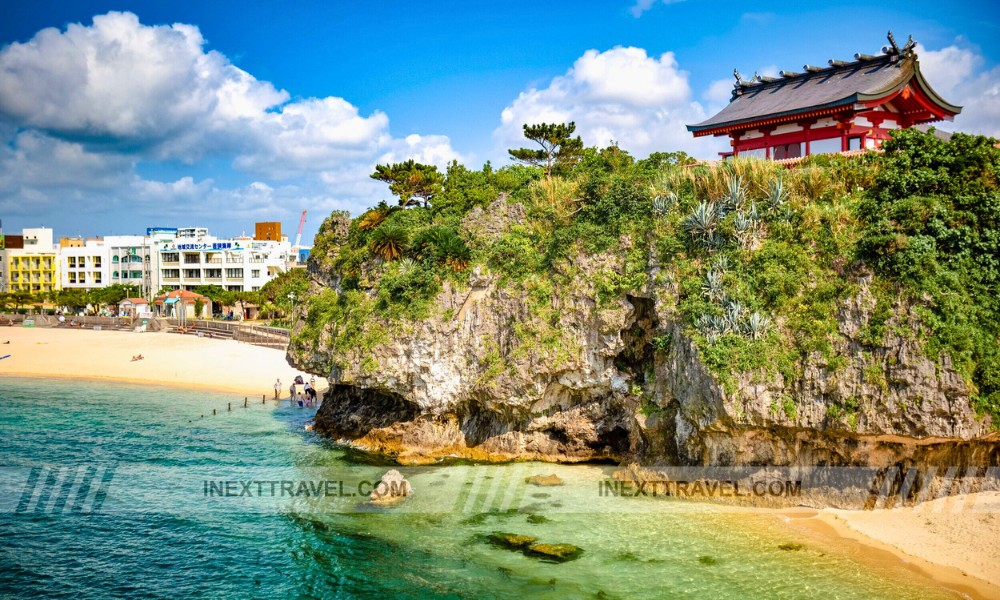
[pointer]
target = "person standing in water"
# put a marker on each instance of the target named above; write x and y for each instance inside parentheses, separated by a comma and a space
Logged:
(277, 389)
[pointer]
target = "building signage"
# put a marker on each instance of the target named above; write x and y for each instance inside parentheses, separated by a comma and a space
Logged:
(202, 246)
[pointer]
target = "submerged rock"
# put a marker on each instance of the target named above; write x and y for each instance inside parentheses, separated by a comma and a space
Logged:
(511, 541)
(790, 546)
(544, 480)
(554, 552)
(391, 488)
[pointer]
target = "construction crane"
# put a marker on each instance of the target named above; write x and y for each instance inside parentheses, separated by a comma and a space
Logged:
(298, 236)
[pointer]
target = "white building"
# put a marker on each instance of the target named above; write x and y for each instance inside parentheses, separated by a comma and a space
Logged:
(124, 259)
(195, 258)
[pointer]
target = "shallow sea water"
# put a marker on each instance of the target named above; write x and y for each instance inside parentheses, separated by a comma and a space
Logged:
(120, 490)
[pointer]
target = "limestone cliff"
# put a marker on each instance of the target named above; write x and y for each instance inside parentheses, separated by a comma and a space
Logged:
(497, 371)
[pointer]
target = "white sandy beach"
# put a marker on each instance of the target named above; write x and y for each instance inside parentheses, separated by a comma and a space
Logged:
(959, 533)
(169, 359)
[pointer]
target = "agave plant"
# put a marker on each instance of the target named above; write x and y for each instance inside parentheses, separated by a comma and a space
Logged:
(742, 225)
(734, 316)
(703, 221)
(735, 196)
(663, 204)
(722, 263)
(786, 214)
(746, 229)
(708, 326)
(777, 195)
(390, 242)
(711, 286)
(756, 326)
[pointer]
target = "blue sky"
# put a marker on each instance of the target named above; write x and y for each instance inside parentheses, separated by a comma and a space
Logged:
(123, 115)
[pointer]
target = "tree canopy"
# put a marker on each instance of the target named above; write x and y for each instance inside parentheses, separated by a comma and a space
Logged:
(559, 150)
(411, 181)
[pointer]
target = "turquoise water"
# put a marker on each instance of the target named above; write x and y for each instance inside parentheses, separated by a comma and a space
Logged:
(147, 527)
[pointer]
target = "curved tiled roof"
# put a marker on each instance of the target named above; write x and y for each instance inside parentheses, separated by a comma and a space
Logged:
(817, 89)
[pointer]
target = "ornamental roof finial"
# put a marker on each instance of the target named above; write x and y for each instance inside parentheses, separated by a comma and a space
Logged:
(893, 49)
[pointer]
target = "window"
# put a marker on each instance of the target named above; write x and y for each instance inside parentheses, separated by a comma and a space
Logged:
(213, 273)
(192, 273)
(171, 273)
(192, 259)
(97, 278)
(234, 288)
(114, 259)
(97, 262)
(171, 257)
(114, 274)
(755, 153)
(234, 273)
(787, 151)
(854, 143)
(72, 262)
(136, 274)
(72, 277)
(255, 273)
(827, 146)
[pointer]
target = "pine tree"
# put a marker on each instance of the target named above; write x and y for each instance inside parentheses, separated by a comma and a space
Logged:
(559, 150)
(411, 181)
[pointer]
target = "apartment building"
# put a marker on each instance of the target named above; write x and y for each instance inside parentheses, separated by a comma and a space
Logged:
(28, 263)
(100, 262)
(196, 258)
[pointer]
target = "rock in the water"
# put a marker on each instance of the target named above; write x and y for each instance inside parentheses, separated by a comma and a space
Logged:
(544, 480)
(511, 541)
(554, 552)
(391, 488)
(790, 546)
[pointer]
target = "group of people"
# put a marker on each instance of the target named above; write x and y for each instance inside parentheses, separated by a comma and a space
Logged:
(304, 400)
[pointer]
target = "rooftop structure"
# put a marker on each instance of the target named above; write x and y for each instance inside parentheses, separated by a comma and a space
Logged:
(845, 106)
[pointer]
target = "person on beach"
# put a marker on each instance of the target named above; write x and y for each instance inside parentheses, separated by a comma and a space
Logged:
(277, 389)
(312, 382)
(291, 393)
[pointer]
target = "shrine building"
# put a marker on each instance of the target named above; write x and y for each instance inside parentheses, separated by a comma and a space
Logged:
(844, 107)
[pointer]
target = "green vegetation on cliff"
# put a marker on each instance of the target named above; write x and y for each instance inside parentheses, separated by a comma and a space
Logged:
(756, 261)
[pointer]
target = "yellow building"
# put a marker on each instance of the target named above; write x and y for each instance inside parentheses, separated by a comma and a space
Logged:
(33, 268)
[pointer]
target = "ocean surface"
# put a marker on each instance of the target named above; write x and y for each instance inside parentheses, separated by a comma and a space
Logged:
(135, 491)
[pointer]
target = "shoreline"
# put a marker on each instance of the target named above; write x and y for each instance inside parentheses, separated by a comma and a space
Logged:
(174, 360)
(950, 562)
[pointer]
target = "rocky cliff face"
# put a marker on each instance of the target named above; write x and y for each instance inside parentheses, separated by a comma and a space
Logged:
(501, 372)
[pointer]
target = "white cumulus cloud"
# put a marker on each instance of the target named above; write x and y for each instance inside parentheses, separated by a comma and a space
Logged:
(622, 96)
(958, 75)
(82, 108)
